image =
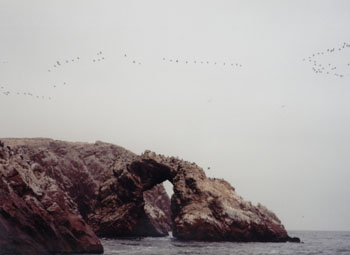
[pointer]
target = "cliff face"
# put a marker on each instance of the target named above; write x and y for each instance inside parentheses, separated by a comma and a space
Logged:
(72, 191)
(36, 215)
(75, 181)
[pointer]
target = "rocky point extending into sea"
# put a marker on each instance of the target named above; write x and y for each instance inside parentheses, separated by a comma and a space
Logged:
(59, 197)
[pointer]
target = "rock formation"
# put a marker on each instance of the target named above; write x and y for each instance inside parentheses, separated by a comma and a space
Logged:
(76, 181)
(207, 209)
(72, 191)
(36, 215)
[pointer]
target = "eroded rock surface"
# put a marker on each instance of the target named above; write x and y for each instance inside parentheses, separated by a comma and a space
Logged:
(209, 209)
(74, 182)
(71, 186)
(36, 215)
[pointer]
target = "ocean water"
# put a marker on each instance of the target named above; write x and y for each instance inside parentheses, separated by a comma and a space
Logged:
(313, 242)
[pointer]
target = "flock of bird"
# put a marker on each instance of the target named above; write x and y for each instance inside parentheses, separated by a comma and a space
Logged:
(189, 62)
(6, 92)
(326, 67)
(99, 57)
(202, 62)
(61, 63)
(134, 61)
(314, 60)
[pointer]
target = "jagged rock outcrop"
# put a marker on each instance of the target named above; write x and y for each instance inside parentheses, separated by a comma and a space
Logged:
(208, 209)
(77, 178)
(117, 193)
(36, 215)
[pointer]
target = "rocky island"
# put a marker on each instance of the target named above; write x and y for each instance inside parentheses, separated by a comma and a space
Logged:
(59, 197)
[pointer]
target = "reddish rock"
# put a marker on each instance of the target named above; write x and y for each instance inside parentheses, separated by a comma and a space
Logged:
(85, 173)
(54, 189)
(36, 215)
(206, 209)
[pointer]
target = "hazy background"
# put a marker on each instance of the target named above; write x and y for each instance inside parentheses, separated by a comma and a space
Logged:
(275, 129)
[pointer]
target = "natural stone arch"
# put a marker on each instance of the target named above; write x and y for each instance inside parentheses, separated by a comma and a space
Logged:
(202, 208)
(110, 188)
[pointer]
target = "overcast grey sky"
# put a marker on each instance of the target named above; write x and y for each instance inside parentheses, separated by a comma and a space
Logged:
(274, 128)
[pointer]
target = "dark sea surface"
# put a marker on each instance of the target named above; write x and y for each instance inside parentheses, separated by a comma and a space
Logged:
(313, 242)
